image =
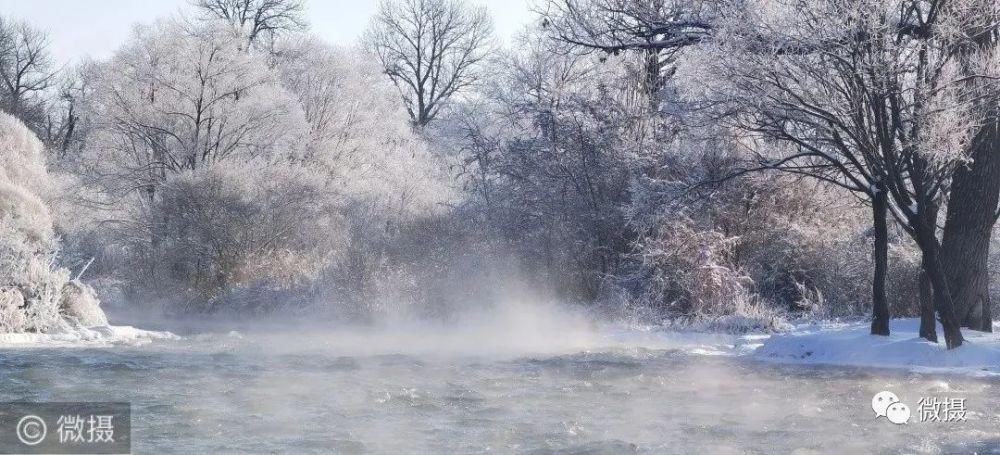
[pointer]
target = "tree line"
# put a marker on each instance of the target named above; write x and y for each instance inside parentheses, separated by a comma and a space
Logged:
(653, 157)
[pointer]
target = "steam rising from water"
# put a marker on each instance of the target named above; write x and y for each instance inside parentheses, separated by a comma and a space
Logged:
(510, 378)
(514, 328)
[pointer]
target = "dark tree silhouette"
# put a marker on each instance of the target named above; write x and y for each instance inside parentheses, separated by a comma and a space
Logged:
(430, 49)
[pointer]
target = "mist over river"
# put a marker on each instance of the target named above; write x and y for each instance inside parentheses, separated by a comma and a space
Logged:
(538, 383)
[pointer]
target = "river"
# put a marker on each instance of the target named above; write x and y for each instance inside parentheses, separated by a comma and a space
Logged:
(279, 389)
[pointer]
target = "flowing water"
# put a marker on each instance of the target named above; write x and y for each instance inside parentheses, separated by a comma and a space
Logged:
(584, 389)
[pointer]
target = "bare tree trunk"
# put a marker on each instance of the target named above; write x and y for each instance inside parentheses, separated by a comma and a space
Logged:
(965, 246)
(928, 331)
(880, 255)
(943, 302)
(987, 320)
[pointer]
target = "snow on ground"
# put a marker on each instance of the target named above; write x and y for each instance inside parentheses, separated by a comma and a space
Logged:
(832, 343)
(85, 337)
(851, 344)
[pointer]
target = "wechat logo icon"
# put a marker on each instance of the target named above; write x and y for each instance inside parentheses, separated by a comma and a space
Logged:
(887, 404)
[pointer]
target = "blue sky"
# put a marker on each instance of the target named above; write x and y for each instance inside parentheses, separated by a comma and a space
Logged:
(97, 27)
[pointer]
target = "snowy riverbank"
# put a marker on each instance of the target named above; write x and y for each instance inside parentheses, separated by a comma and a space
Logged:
(851, 344)
(84, 337)
(555, 332)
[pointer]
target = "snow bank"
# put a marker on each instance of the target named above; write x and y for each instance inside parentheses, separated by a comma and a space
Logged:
(851, 344)
(85, 337)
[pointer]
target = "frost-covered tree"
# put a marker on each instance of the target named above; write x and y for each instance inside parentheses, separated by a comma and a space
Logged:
(262, 21)
(550, 156)
(430, 49)
(975, 186)
(219, 172)
(358, 132)
(853, 33)
(864, 95)
(64, 126)
(181, 96)
(26, 71)
(655, 30)
(175, 102)
(629, 25)
(382, 175)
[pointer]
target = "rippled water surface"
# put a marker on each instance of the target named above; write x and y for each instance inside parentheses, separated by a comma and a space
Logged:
(298, 391)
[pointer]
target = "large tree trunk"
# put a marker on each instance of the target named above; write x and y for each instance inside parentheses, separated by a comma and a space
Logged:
(965, 246)
(880, 254)
(928, 331)
(943, 303)
(975, 190)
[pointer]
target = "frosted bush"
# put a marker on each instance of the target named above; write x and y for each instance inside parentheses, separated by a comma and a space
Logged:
(766, 246)
(79, 303)
(31, 286)
(224, 227)
(687, 270)
(692, 276)
(22, 157)
(26, 214)
(12, 316)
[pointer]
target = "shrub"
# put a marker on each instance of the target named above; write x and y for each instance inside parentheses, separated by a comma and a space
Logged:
(767, 241)
(224, 227)
(31, 285)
